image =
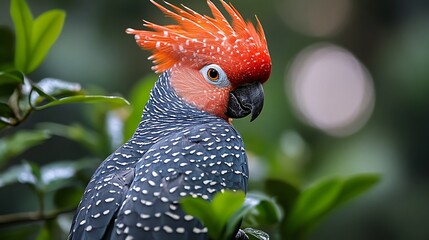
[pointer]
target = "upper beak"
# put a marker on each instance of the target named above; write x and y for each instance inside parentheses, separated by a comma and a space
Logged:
(244, 100)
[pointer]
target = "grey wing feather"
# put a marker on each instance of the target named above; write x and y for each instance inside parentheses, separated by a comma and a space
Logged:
(99, 205)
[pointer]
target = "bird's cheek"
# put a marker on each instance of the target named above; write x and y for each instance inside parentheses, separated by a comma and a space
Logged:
(195, 90)
(212, 101)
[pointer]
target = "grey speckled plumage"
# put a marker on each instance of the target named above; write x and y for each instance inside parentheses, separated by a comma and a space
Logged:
(177, 150)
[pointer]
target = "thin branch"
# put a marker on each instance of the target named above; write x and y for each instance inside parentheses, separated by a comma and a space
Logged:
(17, 218)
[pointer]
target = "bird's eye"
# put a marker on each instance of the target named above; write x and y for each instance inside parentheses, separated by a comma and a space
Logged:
(215, 75)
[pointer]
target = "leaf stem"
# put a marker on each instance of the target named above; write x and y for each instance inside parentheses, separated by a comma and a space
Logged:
(27, 217)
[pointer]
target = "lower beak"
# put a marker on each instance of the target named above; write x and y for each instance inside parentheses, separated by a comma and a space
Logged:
(244, 100)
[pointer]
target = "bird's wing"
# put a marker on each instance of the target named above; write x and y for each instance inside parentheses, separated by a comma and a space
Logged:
(99, 205)
(199, 162)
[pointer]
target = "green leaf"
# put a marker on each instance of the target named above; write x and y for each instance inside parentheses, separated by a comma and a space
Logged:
(114, 101)
(23, 21)
(258, 209)
(49, 88)
(267, 213)
(34, 38)
(318, 200)
(312, 203)
(198, 208)
(18, 143)
(215, 215)
(284, 193)
(226, 210)
(226, 204)
(258, 234)
(7, 116)
(11, 77)
(56, 87)
(356, 185)
(46, 29)
(9, 82)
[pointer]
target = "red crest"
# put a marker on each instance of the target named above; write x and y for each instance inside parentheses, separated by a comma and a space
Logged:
(196, 40)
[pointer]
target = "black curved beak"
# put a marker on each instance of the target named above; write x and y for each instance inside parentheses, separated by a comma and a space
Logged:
(244, 100)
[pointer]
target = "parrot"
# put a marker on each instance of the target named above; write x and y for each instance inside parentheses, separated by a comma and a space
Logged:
(211, 71)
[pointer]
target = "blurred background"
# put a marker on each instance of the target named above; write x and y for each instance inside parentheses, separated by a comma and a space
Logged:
(349, 93)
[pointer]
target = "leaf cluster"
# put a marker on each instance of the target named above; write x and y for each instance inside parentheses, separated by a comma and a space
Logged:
(56, 186)
(34, 37)
(288, 213)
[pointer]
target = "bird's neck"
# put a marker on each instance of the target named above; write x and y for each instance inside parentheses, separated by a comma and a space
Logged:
(165, 113)
(166, 110)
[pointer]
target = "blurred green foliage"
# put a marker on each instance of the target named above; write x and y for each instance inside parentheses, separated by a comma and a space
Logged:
(58, 181)
(296, 195)
(34, 37)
